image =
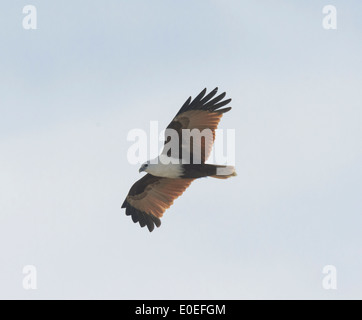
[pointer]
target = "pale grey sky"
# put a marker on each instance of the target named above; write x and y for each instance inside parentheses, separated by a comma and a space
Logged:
(71, 90)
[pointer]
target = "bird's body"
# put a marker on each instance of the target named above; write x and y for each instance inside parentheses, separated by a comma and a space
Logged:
(181, 161)
(165, 170)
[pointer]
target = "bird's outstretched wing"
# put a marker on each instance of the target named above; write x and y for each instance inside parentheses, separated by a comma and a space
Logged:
(201, 113)
(150, 196)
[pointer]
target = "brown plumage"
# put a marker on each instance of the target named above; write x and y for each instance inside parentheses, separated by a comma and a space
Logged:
(150, 196)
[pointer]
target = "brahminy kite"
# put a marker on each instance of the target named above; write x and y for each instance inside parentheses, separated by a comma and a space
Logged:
(176, 167)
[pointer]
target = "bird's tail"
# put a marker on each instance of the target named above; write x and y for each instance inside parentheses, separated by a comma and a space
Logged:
(195, 171)
(224, 172)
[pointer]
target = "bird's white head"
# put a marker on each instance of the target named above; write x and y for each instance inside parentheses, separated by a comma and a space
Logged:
(144, 167)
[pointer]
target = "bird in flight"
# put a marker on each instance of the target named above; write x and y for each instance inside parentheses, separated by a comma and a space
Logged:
(181, 161)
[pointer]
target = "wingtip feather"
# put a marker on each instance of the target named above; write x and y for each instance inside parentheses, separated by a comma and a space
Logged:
(143, 218)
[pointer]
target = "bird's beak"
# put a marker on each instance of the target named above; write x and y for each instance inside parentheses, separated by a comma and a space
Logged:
(140, 170)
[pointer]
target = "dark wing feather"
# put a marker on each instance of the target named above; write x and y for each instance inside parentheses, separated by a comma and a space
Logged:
(203, 103)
